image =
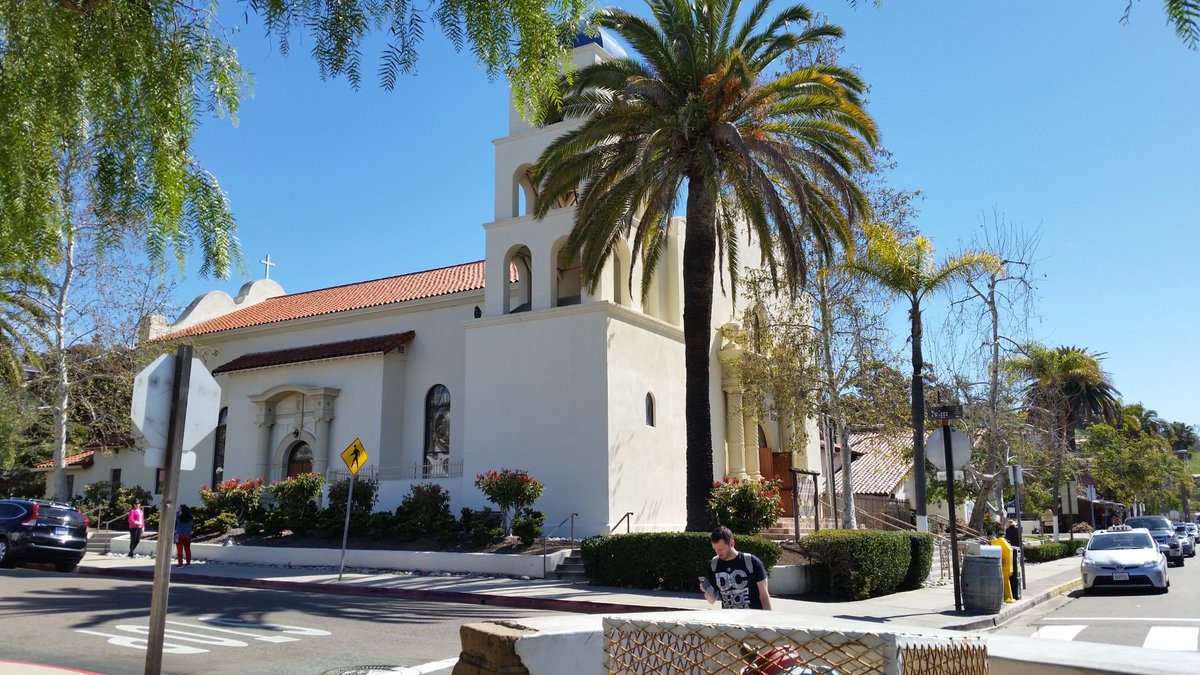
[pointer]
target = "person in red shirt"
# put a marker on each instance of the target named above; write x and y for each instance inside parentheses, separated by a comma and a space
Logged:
(137, 523)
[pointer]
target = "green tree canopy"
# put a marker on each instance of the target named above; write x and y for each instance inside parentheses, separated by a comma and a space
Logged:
(126, 80)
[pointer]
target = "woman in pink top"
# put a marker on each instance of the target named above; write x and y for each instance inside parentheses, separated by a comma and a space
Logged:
(137, 521)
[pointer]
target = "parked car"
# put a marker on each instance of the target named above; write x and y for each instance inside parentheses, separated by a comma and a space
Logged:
(1193, 530)
(1123, 557)
(36, 530)
(1187, 540)
(1163, 532)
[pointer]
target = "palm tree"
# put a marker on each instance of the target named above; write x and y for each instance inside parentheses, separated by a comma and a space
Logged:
(699, 110)
(1066, 388)
(21, 321)
(905, 266)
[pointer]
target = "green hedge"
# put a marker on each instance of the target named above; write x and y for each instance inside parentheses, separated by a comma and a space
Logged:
(919, 566)
(862, 563)
(666, 560)
(1053, 550)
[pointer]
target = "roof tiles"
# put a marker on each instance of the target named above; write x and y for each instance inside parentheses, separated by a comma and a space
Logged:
(380, 344)
(390, 290)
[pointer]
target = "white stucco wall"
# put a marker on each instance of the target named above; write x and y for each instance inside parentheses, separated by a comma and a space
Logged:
(647, 467)
(536, 398)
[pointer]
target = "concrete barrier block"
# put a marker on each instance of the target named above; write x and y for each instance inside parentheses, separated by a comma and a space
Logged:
(490, 649)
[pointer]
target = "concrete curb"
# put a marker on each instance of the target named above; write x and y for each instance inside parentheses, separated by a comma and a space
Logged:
(1009, 613)
(463, 597)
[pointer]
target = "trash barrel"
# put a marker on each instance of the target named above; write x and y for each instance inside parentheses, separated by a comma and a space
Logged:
(1015, 579)
(982, 583)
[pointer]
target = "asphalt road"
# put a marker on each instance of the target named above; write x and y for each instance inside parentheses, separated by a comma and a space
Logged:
(100, 624)
(1140, 618)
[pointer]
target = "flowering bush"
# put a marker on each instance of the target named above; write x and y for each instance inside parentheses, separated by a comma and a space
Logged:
(510, 489)
(366, 494)
(744, 505)
(241, 498)
(296, 502)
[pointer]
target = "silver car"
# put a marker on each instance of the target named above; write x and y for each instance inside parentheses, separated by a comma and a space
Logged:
(1123, 557)
(1186, 539)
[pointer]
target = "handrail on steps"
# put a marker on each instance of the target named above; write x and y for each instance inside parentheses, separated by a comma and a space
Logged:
(624, 519)
(571, 518)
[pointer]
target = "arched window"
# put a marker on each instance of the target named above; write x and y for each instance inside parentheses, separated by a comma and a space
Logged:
(437, 432)
(219, 448)
(649, 409)
(299, 460)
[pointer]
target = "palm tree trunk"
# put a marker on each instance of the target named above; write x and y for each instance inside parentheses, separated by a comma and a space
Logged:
(918, 419)
(699, 264)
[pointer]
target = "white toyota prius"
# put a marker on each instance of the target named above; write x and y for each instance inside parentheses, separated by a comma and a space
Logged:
(1123, 557)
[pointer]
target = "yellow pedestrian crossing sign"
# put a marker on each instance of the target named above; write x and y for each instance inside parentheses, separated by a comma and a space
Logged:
(355, 455)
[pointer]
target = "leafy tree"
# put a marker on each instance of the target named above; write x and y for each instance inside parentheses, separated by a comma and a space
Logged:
(698, 111)
(904, 265)
(526, 40)
(1135, 470)
(1065, 388)
(1182, 437)
(126, 80)
(1183, 15)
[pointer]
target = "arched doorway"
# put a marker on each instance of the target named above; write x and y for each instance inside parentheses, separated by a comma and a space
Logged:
(299, 460)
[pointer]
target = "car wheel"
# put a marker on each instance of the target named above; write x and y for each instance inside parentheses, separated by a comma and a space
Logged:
(4, 552)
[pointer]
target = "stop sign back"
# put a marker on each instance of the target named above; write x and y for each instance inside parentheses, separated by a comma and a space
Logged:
(150, 409)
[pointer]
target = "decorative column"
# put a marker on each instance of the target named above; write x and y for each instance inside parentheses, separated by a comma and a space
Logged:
(750, 444)
(262, 455)
(729, 356)
(321, 400)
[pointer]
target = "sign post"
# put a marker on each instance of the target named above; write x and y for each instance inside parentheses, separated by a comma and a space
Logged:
(164, 394)
(1016, 476)
(355, 455)
(945, 413)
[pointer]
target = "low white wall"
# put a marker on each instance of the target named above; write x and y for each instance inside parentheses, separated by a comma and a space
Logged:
(789, 580)
(575, 644)
(466, 563)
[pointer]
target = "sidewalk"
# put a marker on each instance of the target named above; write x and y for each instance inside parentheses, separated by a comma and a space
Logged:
(931, 607)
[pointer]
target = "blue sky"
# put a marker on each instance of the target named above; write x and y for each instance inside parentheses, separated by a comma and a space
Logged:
(1054, 115)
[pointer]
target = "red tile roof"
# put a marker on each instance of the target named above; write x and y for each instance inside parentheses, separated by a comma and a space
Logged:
(381, 344)
(882, 466)
(403, 288)
(82, 459)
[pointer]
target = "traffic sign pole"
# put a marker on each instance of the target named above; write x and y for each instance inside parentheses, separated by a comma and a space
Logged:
(346, 527)
(953, 512)
(166, 518)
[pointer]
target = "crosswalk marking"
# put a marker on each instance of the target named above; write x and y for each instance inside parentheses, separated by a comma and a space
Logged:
(1059, 632)
(1175, 638)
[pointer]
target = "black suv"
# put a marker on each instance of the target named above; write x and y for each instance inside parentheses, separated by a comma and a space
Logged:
(36, 530)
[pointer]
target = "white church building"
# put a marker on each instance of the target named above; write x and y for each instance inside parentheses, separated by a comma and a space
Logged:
(505, 362)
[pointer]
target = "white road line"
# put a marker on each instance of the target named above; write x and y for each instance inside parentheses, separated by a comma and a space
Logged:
(1058, 632)
(1130, 619)
(431, 667)
(1174, 638)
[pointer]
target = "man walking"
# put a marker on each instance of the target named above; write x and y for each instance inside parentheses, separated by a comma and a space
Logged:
(738, 579)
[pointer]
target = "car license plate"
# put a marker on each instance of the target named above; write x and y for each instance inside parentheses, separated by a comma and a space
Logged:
(1120, 576)
(60, 531)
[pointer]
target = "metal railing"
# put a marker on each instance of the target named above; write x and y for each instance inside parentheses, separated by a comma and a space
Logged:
(407, 471)
(963, 530)
(558, 527)
(627, 519)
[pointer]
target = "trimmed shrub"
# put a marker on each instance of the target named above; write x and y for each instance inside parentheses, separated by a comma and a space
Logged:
(745, 506)
(296, 502)
(1081, 528)
(218, 524)
(482, 527)
(1045, 553)
(366, 494)
(862, 563)
(919, 566)
(666, 560)
(424, 510)
(528, 525)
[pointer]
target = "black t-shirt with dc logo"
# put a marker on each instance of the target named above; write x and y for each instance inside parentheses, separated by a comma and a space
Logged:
(737, 580)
